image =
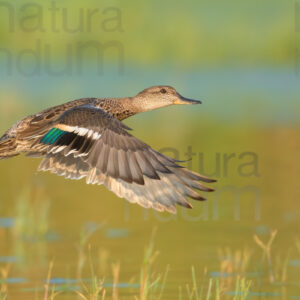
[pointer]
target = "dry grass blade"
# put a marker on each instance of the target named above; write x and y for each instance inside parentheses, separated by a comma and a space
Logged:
(116, 273)
(49, 295)
(298, 245)
(146, 282)
(95, 289)
(242, 289)
(3, 288)
(266, 247)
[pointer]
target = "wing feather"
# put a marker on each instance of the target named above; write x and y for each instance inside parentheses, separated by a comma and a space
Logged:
(98, 147)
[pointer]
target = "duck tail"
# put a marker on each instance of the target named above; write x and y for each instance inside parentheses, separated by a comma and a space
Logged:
(8, 147)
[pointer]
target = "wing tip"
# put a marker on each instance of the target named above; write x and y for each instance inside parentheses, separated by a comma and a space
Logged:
(199, 197)
(211, 180)
(209, 190)
(185, 204)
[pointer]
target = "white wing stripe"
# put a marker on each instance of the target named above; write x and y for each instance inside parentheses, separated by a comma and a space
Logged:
(80, 131)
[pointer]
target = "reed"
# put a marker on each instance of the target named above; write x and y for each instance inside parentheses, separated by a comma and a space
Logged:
(242, 289)
(267, 248)
(233, 263)
(50, 293)
(32, 215)
(3, 286)
(148, 280)
(94, 290)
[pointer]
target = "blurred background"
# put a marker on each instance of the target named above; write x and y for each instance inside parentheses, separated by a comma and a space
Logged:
(65, 239)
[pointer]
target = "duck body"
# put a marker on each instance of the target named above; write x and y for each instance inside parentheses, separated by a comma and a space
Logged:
(19, 132)
(85, 138)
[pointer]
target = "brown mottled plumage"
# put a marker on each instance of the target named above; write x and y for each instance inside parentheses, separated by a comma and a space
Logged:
(86, 138)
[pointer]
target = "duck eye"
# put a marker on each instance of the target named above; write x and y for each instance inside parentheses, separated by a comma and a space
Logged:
(163, 91)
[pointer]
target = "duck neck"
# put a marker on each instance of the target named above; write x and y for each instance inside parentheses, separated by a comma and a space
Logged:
(120, 108)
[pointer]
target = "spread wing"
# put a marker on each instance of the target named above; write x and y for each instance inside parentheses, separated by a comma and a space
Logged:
(88, 142)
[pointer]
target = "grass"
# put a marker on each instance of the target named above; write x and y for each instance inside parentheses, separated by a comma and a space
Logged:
(85, 234)
(3, 286)
(281, 267)
(116, 274)
(211, 288)
(94, 290)
(148, 280)
(266, 248)
(242, 289)
(31, 215)
(298, 245)
(235, 262)
(31, 227)
(153, 279)
(201, 291)
(50, 293)
(152, 284)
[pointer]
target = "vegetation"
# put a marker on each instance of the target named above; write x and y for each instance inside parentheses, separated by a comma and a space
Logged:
(3, 285)
(206, 35)
(231, 281)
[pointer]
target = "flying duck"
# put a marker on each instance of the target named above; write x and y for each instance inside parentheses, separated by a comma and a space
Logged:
(85, 138)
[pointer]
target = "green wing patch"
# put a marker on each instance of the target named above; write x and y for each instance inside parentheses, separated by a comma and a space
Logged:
(52, 136)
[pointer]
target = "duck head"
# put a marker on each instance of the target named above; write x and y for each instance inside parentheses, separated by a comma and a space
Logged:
(159, 96)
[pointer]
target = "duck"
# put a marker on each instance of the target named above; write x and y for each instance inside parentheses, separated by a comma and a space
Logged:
(86, 138)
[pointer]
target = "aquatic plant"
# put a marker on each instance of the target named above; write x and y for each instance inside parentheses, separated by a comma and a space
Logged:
(242, 289)
(203, 290)
(3, 286)
(94, 290)
(266, 248)
(50, 292)
(31, 215)
(152, 284)
(86, 233)
(281, 267)
(233, 263)
(298, 245)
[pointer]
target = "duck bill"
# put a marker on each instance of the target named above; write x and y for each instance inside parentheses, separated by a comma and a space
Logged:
(183, 101)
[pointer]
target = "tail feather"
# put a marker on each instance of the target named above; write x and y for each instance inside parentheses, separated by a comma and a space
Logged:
(8, 147)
